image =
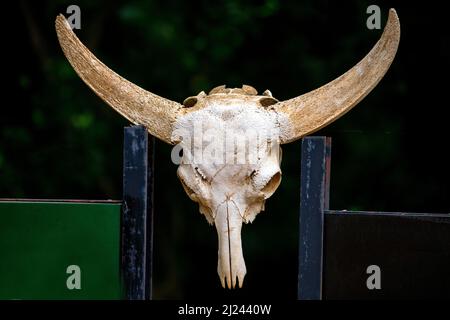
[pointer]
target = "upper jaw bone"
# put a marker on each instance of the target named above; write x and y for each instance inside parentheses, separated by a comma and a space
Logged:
(231, 264)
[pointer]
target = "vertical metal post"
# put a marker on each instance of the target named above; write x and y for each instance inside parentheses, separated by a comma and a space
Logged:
(314, 197)
(150, 206)
(137, 214)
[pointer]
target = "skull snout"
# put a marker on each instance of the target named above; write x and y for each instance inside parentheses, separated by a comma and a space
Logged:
(231, 265)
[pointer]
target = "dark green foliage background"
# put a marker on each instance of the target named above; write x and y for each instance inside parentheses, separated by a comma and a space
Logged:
(58, 140)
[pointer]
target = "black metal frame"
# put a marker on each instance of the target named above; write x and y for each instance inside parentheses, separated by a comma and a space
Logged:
(314, 209)
(314, 198)
(137, 214)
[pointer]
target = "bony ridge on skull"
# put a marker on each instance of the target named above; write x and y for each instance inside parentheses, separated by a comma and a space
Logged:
(230, 137)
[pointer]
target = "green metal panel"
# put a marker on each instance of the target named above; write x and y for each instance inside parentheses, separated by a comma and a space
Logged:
(39, 240)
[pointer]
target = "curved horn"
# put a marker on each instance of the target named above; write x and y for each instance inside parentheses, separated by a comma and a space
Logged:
(139, 106)
(316, 109)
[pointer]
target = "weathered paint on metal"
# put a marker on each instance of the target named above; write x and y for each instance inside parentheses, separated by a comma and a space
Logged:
(313, 201)
(136, 224)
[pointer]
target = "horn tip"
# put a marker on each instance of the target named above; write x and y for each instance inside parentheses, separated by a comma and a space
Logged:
(393, 24)
(61, 22)
(393, 15)
(60, 17)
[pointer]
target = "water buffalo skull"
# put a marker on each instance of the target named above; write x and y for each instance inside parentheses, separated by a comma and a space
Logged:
(230, 162)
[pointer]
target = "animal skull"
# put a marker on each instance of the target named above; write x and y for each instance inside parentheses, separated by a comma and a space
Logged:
(230, 138)
(237, 166)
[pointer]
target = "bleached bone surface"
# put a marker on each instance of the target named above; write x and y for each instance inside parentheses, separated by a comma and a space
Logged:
(230, 166)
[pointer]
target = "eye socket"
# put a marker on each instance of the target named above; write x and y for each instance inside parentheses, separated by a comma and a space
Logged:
(272, 185)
